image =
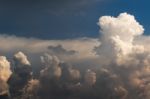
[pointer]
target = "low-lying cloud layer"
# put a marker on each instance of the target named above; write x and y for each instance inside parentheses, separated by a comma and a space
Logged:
(114, 66)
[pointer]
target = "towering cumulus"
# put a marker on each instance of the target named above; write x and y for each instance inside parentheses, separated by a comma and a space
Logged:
(117, 37)
(21, 75)
(125, 59)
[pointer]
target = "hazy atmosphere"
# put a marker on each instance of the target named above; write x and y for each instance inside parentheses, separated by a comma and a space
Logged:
(74, 49)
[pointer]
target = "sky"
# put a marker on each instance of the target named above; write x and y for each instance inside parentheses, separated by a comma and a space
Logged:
(74, 49)
(65, 19)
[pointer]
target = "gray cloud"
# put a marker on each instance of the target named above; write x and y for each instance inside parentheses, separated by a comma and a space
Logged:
(22, 73)
(59, 50)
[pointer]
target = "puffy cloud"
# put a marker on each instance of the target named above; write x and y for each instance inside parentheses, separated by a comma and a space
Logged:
(31, 90)
(125, 53)
(117, 35)
(70, 73)
(22, 73)
(74, 74)
(21, 58)
(5, 73)
(90, 77)
(52, 68)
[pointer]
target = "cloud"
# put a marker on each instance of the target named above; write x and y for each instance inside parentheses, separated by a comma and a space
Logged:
(52, 68)
(124, 53)
(114, 66)
(31, 89)
(59, 50)
(22, 73)
(21, 58)
(70, 73)
(33, 47)
(5, 73)
(117, 37)
(90, 77)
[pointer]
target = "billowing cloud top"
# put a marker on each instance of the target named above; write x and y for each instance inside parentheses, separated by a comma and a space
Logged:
(22, 58)
(124, 26)
(117, 36)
